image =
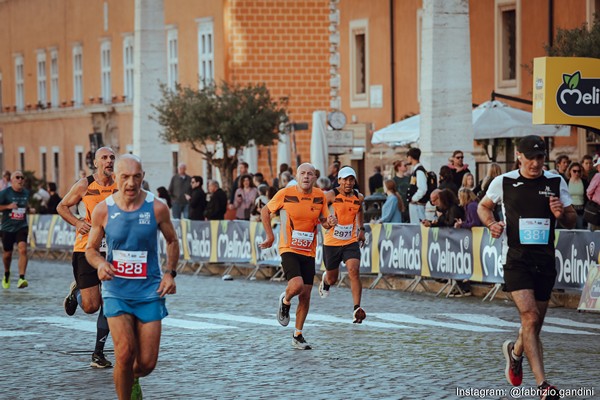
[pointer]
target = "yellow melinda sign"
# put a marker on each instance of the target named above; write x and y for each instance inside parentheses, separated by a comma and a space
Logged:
(566, 91)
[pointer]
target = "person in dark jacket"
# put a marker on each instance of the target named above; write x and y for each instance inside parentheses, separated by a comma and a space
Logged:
(163, 193)
(446, 180)
(376, 180)
(54, 198)
(197, 199)
(217, 205)
(447, 208)
(458, 167)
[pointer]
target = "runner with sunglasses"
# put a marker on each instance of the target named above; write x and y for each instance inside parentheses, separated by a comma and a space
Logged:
(14, 206)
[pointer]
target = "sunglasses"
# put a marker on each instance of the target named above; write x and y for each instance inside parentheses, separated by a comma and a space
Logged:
(460, 157)
(19, 177)
(575, 171)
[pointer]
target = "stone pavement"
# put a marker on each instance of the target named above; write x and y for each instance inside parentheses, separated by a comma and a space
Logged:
(221, 341)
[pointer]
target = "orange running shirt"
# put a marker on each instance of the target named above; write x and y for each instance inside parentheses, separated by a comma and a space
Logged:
(345, 209)
(299, 215)
(95, 194)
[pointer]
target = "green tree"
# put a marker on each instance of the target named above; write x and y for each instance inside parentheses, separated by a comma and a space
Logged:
(219, 117)
(577, 42)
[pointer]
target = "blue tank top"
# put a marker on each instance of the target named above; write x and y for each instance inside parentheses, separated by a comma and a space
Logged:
(132, 240)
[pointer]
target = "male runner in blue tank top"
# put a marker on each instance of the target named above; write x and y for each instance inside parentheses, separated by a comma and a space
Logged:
(133, 286)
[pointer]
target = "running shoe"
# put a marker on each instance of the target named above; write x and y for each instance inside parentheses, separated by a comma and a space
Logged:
(283, 314)
(6, 282)
(299, 343)
(22, 283)
(548, 391)
(136, 390)
(514, 368)
(359, 316)
(70, 302)
(99, 361)
(457, 293)
(323, 289)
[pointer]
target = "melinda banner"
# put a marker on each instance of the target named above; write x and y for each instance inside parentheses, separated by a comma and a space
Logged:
(389, 249)
(566, 91)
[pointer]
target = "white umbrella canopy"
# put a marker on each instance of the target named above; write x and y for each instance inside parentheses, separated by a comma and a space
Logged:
(494, 120)
(319, 154)
(399, 133)
(491, 120)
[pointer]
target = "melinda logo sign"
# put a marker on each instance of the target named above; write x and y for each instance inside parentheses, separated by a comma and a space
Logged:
(579, 96)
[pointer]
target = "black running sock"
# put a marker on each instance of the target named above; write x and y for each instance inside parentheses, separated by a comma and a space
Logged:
(21, 276)
(356, 306)
(326, 286)
(102, 331)
(6, 275)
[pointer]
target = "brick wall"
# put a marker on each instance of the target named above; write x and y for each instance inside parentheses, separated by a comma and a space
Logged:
(284, 44)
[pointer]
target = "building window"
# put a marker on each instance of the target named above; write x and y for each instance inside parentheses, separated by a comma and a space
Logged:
(20, 83)
(54, 97)
(77, 76)
(359, 67)
(56, 165)
(128, 69)
(22, 159)
(206, 52)
(172, 59)
(78, 162)
(105, 70)
(43, 164)
(507, 46)
(41, 78)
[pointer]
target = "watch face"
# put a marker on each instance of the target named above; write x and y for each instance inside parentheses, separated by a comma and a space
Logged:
(337, 119)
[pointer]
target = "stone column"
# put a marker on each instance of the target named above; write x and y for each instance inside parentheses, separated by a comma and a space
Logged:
(150, 67)
(446, 97)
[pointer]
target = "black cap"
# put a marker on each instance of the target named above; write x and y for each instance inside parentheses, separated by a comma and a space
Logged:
(532, 146)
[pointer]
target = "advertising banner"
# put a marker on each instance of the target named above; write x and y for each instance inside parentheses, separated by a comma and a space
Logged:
(449, 253)
(62, 234)
(576, 254)
(39, 232)
(389, 249)
(230, 242)
(566, 90)
(591, 291)
(487, 253)
(399, 248)
(162, 243)
(268, 256)
(197, 243)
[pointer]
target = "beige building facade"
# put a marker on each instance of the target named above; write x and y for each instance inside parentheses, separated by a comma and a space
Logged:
(66, 68)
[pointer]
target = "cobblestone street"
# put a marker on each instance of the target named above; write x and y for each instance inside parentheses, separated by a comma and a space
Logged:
(222, 341)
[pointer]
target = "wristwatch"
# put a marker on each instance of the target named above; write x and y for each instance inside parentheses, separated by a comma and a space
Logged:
(172, 272)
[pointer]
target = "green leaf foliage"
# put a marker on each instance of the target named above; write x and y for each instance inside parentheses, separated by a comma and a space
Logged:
(577, 42)
(230, 114)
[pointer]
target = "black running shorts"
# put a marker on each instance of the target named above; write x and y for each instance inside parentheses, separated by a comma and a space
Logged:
(334, 255)
(10, 238)
(526, 269)
(85, 275)
(298, 265)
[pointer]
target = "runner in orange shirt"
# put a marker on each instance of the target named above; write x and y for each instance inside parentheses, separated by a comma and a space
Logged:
(342, 242)
(302, 208)
(88, 192)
